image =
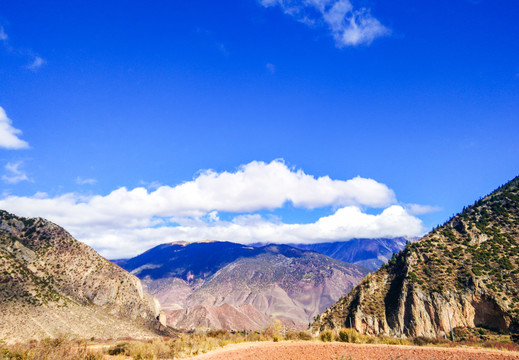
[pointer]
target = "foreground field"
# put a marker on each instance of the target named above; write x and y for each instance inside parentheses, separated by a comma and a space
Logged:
(345, 344)
(299, 350)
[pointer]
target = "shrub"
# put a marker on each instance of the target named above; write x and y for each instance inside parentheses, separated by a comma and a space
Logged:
(220, 333)
(327, 335)
(303, 335)
(348, 335)
(353, 336)
(298, 335)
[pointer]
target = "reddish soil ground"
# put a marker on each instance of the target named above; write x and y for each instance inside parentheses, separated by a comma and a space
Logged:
(342, 351)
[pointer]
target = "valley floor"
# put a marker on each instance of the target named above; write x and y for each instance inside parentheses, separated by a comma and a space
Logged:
(304, 350)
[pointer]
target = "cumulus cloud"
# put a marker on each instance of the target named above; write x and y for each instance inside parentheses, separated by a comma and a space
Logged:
(14, 174)
(9, 135)
(345, 224)
(349, 26)
(126, 222)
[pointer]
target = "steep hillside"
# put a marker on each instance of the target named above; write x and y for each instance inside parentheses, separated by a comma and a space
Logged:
(464, 273)
(228, 285)
(51, 284)
(370, 253)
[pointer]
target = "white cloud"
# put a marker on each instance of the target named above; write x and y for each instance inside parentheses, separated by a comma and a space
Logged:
(37, 63)
(3, 35)
(126, 222)
(14, 173)
(9, 135)
(416, 209)
(349, 26)
(346, 223)
(81, 181)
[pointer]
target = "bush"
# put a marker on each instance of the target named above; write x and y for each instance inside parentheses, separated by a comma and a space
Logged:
(327, 335)
(348, 335)
(298, 335)
(353, 336)
(119, 349)
(303, 335)
(423, 341)
(220, 333)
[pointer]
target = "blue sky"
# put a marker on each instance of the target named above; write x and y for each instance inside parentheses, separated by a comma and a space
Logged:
(422, 97)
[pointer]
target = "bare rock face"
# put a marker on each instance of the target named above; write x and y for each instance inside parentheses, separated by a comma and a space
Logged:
(462, 274)
(232, 286)
(51, 284)
(218, 317)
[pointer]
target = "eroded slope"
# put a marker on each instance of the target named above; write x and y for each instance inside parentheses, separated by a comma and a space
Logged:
(51, 284)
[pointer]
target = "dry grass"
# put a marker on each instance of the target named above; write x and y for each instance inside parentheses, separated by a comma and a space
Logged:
(354, 337)
(483, 340)
(60, 348)
(184, 345)
(197, 342)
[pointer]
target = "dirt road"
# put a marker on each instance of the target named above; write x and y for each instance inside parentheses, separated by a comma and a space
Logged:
(341, 351)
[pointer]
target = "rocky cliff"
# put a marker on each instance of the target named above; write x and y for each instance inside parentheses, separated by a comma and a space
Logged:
(462, 274)
(51, 284)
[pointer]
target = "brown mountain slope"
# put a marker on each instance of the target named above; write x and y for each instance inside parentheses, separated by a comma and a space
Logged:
(233, 286)
(464, 273)
(51, 284)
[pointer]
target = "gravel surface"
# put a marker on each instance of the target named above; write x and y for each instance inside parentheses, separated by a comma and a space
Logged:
(340, 351)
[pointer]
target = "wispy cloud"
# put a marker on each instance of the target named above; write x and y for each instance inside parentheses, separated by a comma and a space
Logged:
(3, 35)
(126, 222)
(416, 209)
(209, 38)
(81, 181)
(349, 26)
(14, 174)
(37, 63)
(9, 135)
(271, 68)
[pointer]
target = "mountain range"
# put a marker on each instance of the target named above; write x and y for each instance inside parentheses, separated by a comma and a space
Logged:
(226, 285)
(464, 273)
(369, 253)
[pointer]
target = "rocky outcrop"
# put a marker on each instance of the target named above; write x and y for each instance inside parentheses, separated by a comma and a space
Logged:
(51, 284)
(463, 274)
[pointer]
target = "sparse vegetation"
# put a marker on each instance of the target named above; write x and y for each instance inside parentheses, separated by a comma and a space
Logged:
(187, 344)
(476, 250)
(198, 342)
(59, 348)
